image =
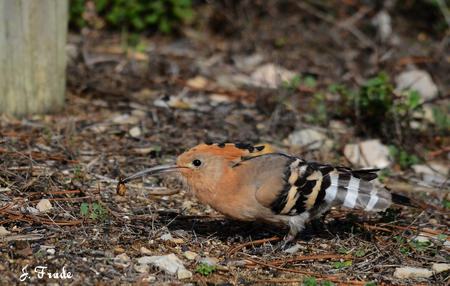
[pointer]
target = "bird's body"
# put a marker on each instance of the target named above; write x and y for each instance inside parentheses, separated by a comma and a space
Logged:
(245, 183)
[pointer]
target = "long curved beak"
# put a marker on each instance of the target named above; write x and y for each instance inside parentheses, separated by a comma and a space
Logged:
(152, 171)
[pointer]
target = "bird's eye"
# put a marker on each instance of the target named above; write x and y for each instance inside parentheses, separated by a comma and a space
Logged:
(196, 162)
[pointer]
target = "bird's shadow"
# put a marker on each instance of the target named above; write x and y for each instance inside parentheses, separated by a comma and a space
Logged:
(229, 230)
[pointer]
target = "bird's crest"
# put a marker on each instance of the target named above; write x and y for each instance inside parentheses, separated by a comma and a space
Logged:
(233, 152)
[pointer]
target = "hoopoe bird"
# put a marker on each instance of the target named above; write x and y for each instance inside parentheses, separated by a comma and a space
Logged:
(249, 183)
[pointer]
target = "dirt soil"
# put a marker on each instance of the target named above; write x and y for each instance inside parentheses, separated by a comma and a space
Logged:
(130, 111)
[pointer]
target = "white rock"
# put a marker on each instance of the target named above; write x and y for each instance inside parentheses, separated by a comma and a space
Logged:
(433, 173)
(245, 63)
(270, 75)
(123, 258)
(440, 267)
(422, 238)
(293, 249)
(412, 272)
(166, 236)
(169, 263)
(370, 153)
(135, 131)
(145, 250)
(419, 81)
(3, 231)
(141, 268)
(51, 251)
(310, 138)
(190, 255)
(382, 21)
(183, 273)
(125, 119)
(208, 260)
(44, 205)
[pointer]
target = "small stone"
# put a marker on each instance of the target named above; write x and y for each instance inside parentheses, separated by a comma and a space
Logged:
(197, 82)
(3, 231)
(125, 119)
(51, 251)
(433, 221)
(183, 273)
(145, 250)
(382, 20)
(124, 258)
(433, 173)
(293, 249)
(310, 138)
(44, 205)
(412, 272)
(419, 81)
(33, 211)
(190, 255)
(149, 278)
(169, 263)
(271, 76)
(440, 267)
(141, 268)
(208, 260)
(166, 236)
(135, 132)
(369, 153)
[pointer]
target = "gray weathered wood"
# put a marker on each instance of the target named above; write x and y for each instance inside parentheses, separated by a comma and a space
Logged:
(33, 37)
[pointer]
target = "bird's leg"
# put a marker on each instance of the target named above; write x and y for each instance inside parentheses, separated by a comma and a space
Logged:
(296, 225)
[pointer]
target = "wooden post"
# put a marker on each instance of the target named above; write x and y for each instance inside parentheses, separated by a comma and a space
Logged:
(33, 37)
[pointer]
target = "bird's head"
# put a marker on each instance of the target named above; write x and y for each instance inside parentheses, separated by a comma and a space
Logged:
(205, 163)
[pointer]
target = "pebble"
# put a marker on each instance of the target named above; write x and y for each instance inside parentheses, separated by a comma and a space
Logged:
(4, 231)
(311, 139)
(412, 272)
(123, 258)
(190, 255)
(135, 132)
(51, 251)
(440, 267)
(145, 250)
(369, 153)
(169, 263)
(293, 249)
(271, 76)
(44, 205)
(419, 81)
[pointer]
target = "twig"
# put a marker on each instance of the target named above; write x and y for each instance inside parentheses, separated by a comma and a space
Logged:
(234, 249)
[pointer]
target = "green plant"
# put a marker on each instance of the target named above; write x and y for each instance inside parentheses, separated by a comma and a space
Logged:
(420, 245)
(404, 159)
(205, 269)
(441, 118)
(137, 15)
(93, 211)
(446, 204)
(342, 250)
(77, 173)
(309, 281)
(359, 253)
(317, 104)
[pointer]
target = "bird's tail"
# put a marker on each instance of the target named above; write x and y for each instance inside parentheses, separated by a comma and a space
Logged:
(355, 192)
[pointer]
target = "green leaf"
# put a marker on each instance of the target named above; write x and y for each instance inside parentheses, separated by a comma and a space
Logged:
(84, 208)
(413, 99)
(310, 82)
(337, 264)
(295, 80)
(93, 216)
(347, 263)
(327, 283)
(359, 253)
(309, 281)
(342, 250)
(442, 237)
